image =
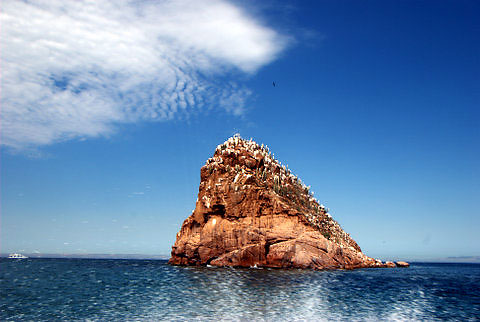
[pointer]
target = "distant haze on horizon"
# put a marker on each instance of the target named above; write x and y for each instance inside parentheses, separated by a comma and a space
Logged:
(109, 110)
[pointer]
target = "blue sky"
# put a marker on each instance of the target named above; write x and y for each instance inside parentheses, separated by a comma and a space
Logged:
(109, 111)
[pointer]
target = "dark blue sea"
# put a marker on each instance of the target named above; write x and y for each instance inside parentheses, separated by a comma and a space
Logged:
(128, 290)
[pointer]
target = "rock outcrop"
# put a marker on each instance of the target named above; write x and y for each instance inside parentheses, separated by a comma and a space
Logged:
(402, 264)
(252, 211)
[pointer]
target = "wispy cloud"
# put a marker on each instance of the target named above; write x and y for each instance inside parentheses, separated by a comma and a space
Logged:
(76, 69)
(136, 193)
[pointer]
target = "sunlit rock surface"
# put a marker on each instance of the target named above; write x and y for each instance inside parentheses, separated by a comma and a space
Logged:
(252, 211)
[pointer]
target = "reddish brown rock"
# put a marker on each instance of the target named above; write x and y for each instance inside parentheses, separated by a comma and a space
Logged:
(252, 211)
(402, 264)
(390, 264)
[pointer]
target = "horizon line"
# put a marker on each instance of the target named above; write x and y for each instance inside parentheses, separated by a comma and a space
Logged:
(445, 260)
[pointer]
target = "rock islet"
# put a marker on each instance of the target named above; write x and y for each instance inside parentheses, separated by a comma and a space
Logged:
(252, 211)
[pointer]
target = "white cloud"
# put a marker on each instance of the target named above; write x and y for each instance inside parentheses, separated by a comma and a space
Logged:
(75, 69)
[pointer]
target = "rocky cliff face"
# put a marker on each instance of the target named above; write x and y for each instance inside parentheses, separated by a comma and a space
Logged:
(252, 211)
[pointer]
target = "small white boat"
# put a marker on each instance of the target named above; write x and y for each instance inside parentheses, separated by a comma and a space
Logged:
(17, 256)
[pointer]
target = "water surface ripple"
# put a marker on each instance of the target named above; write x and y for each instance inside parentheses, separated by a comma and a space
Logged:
(83, 289)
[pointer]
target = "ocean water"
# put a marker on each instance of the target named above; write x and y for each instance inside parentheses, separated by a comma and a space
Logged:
(92, 289)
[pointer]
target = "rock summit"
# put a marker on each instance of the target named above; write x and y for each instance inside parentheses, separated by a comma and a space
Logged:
(252, 211)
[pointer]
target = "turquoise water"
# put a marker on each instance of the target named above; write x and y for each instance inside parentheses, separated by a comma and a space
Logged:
(87, 289)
